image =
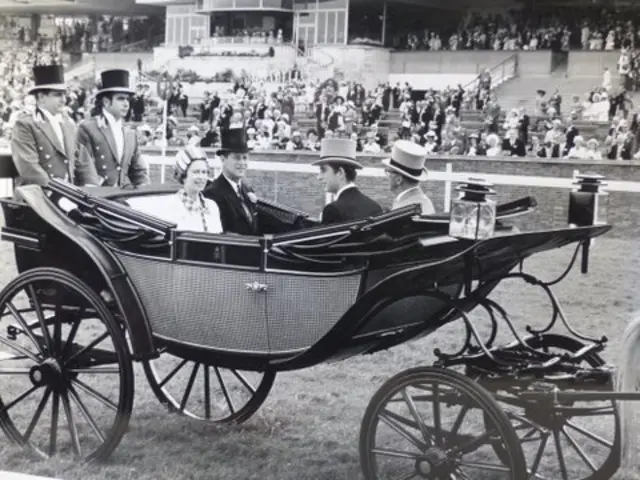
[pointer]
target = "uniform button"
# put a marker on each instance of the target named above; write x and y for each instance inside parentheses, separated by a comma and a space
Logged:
(119, 168)
(47, 156)
(49, 166)
(66, 161)
(40, 148)
(101, 156)
(104, 167)
(97, 148)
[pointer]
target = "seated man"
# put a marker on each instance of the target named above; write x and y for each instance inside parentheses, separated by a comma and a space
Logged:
(406, 170)
(338, 170)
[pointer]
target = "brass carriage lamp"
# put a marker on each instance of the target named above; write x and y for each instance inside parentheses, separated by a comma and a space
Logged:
(473, 215)
(588, 205)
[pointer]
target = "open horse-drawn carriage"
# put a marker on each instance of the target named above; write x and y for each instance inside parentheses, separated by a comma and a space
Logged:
(213, 318)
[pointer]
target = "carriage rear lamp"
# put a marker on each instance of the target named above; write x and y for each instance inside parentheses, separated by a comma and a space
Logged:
(588, 205)
(473, 215)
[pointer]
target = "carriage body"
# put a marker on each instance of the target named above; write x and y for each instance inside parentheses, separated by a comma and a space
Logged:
(299, 295)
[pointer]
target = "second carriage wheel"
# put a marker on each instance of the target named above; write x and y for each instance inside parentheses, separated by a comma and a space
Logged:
(67, 377)
(207, 392)
(427, 423)
(573, 441)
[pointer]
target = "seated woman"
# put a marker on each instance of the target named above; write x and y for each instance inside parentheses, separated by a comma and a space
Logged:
(188, 208)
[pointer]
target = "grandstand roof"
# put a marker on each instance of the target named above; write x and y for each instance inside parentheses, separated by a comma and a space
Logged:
(77, 7)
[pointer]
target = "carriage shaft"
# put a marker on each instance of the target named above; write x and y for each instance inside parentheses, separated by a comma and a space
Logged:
(580, 395)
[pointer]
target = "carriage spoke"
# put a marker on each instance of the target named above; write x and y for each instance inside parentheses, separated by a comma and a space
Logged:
(14, 371)
(19, 349)
(25, 327)
(459, 419)
(55, 410)
(396, 453)
(579, 450)
(172, 373)
(187, 391)
(38, 414)
(484, 466)
(244, 381)
(43, 325)
(409, 476)
(436, 416)
(6, 408)
(224, 390)
(86, 414)
(70, 338)
(207, 392)
(588, 434)
(57, 333)
(73, 429)
(96, 395)
(97, 341)
(416, 415)
(398, 429)
(471, 445)
(560, 455)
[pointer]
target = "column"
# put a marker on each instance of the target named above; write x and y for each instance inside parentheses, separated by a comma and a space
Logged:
(384, 23)
(35, 27)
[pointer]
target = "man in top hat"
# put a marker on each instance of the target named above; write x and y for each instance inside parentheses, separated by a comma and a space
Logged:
(235, 199)
(405, 170)
(112, 144)
(43, 142)
(338, 167)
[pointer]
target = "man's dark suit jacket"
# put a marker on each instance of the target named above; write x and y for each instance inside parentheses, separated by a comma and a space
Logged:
(232, 214)
(352, 204)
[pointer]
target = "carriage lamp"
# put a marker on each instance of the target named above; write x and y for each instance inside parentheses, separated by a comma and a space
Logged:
(588, 205)
(473, 215)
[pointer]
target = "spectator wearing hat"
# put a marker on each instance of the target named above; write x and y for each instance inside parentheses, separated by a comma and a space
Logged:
(112, 144)
(189, 209)
(406, 170)
(43, 142)
(193, 136)
(236, 200)
(338, 168)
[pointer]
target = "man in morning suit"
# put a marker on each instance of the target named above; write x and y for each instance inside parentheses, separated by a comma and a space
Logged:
(43, 142)
(338, 167)
(405, 170)
(235, 199)
(112, 144)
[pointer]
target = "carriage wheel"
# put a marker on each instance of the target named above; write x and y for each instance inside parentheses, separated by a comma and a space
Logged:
(579, 444)
(67, 377)
(207, 392)
(427, 423)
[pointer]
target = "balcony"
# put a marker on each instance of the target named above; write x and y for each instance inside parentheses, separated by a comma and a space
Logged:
(207, 6)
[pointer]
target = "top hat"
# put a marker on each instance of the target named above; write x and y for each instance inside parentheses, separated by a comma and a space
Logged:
(407, 159)
(48, 77)
(338, 151)
(115, 81)
(233, 140)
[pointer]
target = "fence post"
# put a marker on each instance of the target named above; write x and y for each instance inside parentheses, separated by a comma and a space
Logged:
(447, 187)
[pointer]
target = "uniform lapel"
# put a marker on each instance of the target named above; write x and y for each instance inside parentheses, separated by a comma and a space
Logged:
(68, 135)
(105, 129)
(46, 128)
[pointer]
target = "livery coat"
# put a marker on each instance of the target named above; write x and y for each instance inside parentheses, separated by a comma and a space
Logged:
(38, 155)
(95, 135)
(413, 196)
(351, 205)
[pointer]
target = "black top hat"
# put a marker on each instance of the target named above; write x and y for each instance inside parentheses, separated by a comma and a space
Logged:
(48, 77)
(234, 140)
(115, 81)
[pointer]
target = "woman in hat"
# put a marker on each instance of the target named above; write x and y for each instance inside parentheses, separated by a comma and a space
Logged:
(112, 144)
(338, 167)
(406, 170)
(189, 209)
(43, 142)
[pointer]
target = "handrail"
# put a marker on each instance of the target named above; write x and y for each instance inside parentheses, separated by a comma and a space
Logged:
(494, 70)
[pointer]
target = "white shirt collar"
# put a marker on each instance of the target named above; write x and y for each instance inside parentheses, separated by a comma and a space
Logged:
(50, 116)
(111, 119)
(348, 185)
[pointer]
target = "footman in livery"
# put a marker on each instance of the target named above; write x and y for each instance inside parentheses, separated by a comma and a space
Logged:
(112, 144)
(43, 143)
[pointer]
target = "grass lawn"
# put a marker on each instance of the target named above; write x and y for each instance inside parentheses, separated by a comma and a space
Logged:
(308, 427)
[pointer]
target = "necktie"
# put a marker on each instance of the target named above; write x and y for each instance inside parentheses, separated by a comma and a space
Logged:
(245, 203)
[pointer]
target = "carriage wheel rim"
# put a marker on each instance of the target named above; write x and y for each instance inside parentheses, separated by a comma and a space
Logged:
(60, 373)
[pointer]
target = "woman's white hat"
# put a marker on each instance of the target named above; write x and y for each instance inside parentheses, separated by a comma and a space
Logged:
(407, 159)
(341, 151)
